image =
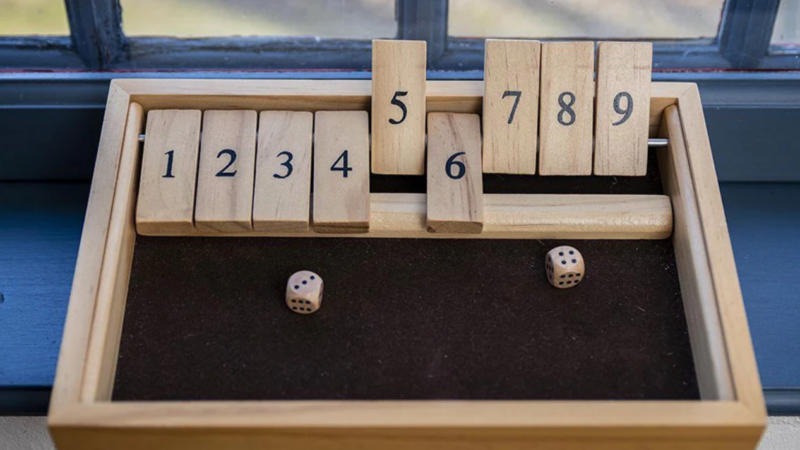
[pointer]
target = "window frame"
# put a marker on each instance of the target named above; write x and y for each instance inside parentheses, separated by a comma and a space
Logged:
(97, 42)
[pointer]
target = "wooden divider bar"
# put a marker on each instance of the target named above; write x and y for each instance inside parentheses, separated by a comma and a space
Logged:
(515, 216)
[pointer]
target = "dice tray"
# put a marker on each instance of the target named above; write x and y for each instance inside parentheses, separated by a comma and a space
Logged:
(94, 405)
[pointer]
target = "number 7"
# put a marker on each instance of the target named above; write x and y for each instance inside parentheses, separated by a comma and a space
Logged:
(516, 94)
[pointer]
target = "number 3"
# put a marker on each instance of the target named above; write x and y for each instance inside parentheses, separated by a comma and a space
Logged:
(287, 164)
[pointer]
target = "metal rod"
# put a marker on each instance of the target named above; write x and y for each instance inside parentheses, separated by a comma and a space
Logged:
(653, 142)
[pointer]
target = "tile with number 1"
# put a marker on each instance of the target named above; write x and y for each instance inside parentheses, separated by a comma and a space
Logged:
(169, 172)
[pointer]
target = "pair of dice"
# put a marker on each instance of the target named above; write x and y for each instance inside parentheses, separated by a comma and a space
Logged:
(564, 265)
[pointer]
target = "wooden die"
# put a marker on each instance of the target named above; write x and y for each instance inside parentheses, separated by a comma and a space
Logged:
(565, 267)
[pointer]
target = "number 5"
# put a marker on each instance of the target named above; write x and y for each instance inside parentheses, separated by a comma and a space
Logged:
(401, 105)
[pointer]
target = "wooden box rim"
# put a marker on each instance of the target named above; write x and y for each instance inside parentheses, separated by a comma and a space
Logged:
(80, 403)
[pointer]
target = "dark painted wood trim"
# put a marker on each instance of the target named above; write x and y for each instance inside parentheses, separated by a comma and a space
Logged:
(746, 31)
(96, 27)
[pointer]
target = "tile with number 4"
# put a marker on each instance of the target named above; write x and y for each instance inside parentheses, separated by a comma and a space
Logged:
(341, 172)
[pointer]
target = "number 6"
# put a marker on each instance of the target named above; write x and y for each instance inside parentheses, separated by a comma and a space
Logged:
(451, 161)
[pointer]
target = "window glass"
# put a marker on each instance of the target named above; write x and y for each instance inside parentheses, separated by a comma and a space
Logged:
(669, 19)
(787, 25)
(33, 17)
(351, 19)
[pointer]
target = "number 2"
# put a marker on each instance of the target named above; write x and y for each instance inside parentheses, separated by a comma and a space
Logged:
(232, 154)
(626, 113)
(169, 174)
(401, 105)
(516, 94)
(345, 167)
(287, 164)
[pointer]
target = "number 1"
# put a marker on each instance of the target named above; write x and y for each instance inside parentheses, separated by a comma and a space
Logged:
(169, 174)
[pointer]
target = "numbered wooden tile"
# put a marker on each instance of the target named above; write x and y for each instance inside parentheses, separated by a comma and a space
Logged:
(226, 172)
(623, 108)
(283, 171)
(169, 172)
(511, 106)
(398, 107)
(341, 172)
(566, 112)
(455, 183)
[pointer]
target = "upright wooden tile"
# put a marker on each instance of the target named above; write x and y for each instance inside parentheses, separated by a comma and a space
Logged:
(455, 183)
(623, 108)
(341, 172)
(567, 104)
(169, 172)
(511, 106)
(283, 171)
(226, 172)
(398, 107)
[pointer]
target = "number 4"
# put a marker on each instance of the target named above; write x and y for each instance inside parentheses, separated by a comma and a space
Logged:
(345, 167)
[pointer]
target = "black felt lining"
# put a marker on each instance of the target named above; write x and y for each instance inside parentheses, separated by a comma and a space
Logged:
(402, 319)
(407, 318)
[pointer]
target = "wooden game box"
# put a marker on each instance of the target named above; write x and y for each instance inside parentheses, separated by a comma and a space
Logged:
(651, 351)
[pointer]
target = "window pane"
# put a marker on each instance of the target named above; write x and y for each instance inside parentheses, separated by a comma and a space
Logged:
(33, 17)
(671, 19)
(352, 19)
(787, 25)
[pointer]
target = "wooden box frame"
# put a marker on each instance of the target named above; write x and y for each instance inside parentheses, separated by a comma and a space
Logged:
(731, 414)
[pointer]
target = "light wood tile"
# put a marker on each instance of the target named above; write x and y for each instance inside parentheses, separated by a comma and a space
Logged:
(283, 171)
(623, 108)
(341, 172)
(511, 106)
(169, 172)
(226, 171)
(455, 183)
(565, 121)
(398, 107)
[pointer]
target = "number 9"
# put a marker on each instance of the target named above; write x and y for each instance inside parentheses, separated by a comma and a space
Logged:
(626, 113)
